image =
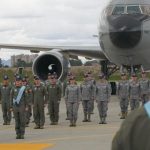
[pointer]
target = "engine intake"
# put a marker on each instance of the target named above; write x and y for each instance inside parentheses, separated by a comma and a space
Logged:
(50, 62)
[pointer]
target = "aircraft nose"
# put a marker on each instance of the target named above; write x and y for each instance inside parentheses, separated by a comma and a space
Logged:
(125, 31)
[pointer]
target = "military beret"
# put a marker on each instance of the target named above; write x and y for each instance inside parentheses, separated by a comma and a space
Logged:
(18, 78)
(49, 74)
(24, 79)
(36, 78)
(89, 72)
(69, 74)
(101, 75)
(134, 75)
(143, 72)
(123, 74)
(86, 75)
(72, 78)
(5, 77)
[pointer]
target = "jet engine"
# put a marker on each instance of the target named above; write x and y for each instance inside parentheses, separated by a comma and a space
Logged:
(50, 62)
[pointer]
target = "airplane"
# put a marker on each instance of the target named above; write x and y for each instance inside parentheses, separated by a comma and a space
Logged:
(124, 38)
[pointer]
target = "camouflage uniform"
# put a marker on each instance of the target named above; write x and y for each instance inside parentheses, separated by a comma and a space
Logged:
(19, 111)
(5, 103)
(145, 87)
(65, 84)
(87, 97)
(54, 97)
(72, 97)
(102, 96)
(92, 82)
(123, 94)
(134, 94)
(39, 93)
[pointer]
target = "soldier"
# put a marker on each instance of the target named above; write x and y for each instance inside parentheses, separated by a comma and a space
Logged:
(19, 106)
(29, 100)
(134, 132)
(123, 94)
(39, 102)
(86, 96)
(92, 81)
(72, 97)
(5, 100)
(54, 97)
(65, 84)
(145, 87)
(134, 92)
(102, 96)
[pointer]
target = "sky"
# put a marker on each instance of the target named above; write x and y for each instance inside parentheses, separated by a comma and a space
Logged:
(48, 22)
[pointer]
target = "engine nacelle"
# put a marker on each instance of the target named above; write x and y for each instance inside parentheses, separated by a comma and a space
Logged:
(51, 62)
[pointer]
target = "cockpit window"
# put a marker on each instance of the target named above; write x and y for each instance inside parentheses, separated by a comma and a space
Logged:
(133, 10)
(118, 10)
(108, 10)
(146, 9)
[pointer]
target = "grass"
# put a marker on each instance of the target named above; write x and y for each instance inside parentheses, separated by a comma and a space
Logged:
(77, 71)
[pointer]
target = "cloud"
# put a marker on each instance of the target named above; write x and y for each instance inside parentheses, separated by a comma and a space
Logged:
(49, 22)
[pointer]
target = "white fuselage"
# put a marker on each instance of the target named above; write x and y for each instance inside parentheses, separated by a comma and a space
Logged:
(139, 54)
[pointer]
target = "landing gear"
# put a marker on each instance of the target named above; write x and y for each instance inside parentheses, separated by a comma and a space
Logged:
(108, 68)
(131, 69)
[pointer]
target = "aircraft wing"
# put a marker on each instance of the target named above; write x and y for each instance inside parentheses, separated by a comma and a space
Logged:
(85, 51)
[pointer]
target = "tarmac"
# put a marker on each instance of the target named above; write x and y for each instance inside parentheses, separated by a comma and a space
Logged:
(86, 136)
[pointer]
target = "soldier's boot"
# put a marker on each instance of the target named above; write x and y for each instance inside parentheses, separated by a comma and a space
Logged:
(18, 136)
(122, 116)
(101, 120)
(41, 127)
(89, 117)
(126, 114)
(52, 123)
(21, 136)
(104, 120)
(74, 123)
(8, 123)
(71, 123)
(85, 118)
(56, 123)
(37, 127)
(5, 123)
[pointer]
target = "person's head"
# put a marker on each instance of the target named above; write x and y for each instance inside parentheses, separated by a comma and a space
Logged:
(5, 80)
(24, 81)
(89, 73)
(69, 75)
(143, 74)
(101, 76)
(55, 75)
(37, 81)
(49, 76)
(123, 76)
(86, 77)
(72, 80)
(53, 80)
(18, 81)
(134, 77)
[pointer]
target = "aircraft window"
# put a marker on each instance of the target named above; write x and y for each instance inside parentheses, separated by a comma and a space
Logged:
(118, 10)
(146, 9)
(133, 10)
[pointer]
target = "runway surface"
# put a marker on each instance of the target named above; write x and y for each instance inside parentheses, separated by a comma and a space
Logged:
(85, 136)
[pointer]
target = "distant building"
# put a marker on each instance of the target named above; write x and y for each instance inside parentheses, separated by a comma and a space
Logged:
(25, 58)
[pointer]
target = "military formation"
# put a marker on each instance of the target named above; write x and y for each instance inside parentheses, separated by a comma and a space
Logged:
(23, 99)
